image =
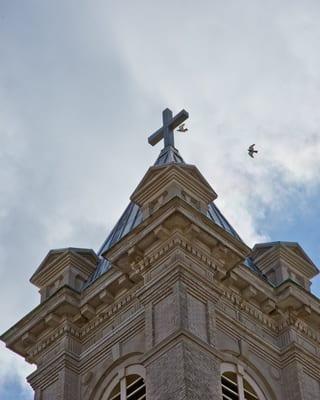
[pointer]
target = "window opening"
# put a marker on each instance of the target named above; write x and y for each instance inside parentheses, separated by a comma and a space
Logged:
(131, 387)
(235, 387)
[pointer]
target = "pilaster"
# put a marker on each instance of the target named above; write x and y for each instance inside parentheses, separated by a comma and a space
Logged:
(180, 360)
(184, 370)
(298, 384)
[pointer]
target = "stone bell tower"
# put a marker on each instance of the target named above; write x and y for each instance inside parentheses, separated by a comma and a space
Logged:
(174, 306)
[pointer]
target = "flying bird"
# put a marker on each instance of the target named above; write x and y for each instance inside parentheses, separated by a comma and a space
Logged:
(182, 128)
(251, 150)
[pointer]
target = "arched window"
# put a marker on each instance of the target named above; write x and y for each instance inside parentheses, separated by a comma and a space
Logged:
(235, 387)
(239, 386)
(130, 387)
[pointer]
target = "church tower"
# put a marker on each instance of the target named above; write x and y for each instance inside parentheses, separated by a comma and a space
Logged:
(174, 305)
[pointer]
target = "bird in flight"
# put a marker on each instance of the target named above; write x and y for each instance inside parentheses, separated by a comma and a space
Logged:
(182, 128)
(251, 150)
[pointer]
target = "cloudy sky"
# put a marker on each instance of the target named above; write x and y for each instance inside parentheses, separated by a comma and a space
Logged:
(83, 84)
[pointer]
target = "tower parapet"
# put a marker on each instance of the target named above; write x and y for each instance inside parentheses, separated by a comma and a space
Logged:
(281, 261)
(70, 266)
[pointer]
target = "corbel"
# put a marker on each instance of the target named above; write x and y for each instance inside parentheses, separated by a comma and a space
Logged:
(79, 319)
(268, 306)
(135, 254)
(304, 311)
(192, 231)
(52, 320)
(135, 276)
(249, 292)
(88, 311)
(219, 251)
(231, 279)
(124, 282)
(161, 232)
(106, 297)
(28, 339)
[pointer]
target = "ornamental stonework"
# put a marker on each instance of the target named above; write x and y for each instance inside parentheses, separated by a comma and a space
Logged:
(175, 305)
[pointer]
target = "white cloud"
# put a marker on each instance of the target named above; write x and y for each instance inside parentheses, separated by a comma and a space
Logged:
(83, 84)
(12, 366)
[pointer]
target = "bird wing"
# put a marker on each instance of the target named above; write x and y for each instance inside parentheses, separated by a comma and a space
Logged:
(251, 154)
(251, 147)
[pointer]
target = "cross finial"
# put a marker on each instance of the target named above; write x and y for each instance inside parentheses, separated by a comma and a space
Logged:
(166, 132)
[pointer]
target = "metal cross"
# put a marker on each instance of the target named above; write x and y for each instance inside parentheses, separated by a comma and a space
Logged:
(169, 124)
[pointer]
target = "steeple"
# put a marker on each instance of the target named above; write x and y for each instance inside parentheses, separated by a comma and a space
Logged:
(133, 214)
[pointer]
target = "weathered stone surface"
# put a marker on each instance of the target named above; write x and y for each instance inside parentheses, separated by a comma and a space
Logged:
(184, 371)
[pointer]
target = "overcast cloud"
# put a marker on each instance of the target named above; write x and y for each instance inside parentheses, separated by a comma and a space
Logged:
(83, 84)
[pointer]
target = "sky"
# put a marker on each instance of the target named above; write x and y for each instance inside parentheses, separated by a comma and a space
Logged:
(82, 86)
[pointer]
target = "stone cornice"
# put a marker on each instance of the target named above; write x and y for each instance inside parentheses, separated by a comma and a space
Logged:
(175, 241)
(305, 296)
(66, 328)
(278, 324)
(110, 311)
(177, 271)
(98, 285)
(65, 300)
(291, 319)
(187, 255)
(250, 309)
(265, 349)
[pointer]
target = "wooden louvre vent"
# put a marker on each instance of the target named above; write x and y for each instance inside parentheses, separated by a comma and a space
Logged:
(131, 387)
(234, 387)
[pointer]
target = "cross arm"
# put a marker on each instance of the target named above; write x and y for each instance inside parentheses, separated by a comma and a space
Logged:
(179, 119)
(156, 137)
(169, 124)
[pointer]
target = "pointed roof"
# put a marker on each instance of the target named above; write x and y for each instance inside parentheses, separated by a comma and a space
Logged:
(132, 217)
(55, 254)
(169, 155)
(295, 246)
(263, 248)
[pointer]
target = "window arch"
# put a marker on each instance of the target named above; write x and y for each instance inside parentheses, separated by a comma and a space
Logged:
(127, 383)
(239, 386)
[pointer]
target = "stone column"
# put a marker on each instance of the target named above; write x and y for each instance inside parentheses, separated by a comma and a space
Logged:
(69, 385)
(298, 385)
(183, 371)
